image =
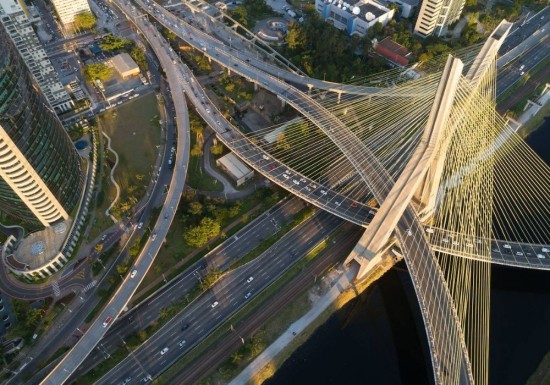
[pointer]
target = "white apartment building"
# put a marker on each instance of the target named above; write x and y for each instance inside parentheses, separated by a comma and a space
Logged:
(435, 15)
(355, 17)
(14, 17)
(68, 9)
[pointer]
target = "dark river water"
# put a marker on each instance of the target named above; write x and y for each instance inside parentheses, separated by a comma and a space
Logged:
(379, 338)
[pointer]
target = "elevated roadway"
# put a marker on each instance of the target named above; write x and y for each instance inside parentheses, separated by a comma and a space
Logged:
(144, 261)
(322, 196)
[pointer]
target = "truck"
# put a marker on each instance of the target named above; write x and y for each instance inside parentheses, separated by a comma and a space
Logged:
(291, 13)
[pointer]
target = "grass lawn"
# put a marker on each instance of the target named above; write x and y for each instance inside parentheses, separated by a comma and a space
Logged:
(137, 153)
(135, 137)
(197, 178)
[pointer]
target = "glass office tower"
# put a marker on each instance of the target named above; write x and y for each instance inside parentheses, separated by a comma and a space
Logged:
(41, 177)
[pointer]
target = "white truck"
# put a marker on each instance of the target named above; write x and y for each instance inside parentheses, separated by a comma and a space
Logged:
(291, 13)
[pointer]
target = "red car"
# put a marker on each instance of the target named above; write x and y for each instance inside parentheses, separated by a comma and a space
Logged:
(107, 321)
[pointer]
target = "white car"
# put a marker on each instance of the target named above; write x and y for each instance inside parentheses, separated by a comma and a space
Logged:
(182, 343)
(545, 250)
(323, 192)
(163, 351)
(250, 279)
(409, 232)
(134, 273)
(286, 176)
(295, 182)
(214, 304)
(507, 246)
(308, 189)
(140, 225)
(154, 236)
(540, 256)
(519, 253)
(445, 240)
(265, 157)
(247, 296)
(337, 203)
(429, 230)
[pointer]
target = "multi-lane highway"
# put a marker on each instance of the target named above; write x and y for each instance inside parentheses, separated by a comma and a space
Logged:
(234, 248)
(212, 308)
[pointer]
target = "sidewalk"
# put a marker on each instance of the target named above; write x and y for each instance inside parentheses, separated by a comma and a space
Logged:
(343, 283)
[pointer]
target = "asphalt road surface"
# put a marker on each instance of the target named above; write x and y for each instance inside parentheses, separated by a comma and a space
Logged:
(213, 307)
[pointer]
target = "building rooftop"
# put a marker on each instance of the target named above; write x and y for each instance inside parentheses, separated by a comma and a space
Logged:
(124, 63)
(39, 248)
(360, 8)
(234, 165)
(393, 51)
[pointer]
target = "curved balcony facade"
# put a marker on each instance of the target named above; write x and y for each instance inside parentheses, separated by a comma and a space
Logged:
(40, 171)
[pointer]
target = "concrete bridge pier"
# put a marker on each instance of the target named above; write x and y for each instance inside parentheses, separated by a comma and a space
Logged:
(309, 88)
(339, 97)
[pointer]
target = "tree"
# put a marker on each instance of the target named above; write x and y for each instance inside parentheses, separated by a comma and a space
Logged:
(236, 357)
(199, 235)
(84, 21)
(98, 71)
(139, 57)
(296, 38)
(217, 149)
(121, 269)
(194, 208)
(196, 151)
(98, 248)
(114, 43)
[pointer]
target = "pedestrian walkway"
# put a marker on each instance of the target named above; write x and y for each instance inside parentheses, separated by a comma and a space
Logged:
(341, 284)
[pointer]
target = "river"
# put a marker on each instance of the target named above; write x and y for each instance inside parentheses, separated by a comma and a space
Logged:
(379, 338)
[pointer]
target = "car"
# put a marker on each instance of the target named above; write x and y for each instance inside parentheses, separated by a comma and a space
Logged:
(337, 203)
(409, 232)
(265, 157)
(371, 212)
(545, 250)
(286, 176)
(295, 182)
(353, 204)
(445, 240)
(154, 236)
(271, 167)
(519, 253)
(247, 296)
(107, 321)
(455, 243)
(126, 380)
(182, 343)
(184, 327)
(140, 225)
(214, 304)
(163, 351)
(250, 279)
(312, 185)
(470, 245)
(104, 237)
(134, 273)
(323, 192)
(308, 189)
(507, 246)
(540, 256)
(429, 230)
(303, 180)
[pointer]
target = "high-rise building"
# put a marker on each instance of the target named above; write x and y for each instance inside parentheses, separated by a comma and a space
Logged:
(14, 17)
(41, 176)
(435, 15)
(68, 9)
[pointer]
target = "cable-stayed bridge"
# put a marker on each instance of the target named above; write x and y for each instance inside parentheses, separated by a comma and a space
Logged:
(427, 163)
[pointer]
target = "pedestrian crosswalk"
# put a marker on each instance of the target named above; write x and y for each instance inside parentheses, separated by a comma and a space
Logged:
(55, 287)
(89, 286)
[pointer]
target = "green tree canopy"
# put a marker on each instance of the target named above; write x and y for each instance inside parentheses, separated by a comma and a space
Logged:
(139, 57)
(199, 235)
(99, 71)
(113, 43)
(84, 21)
